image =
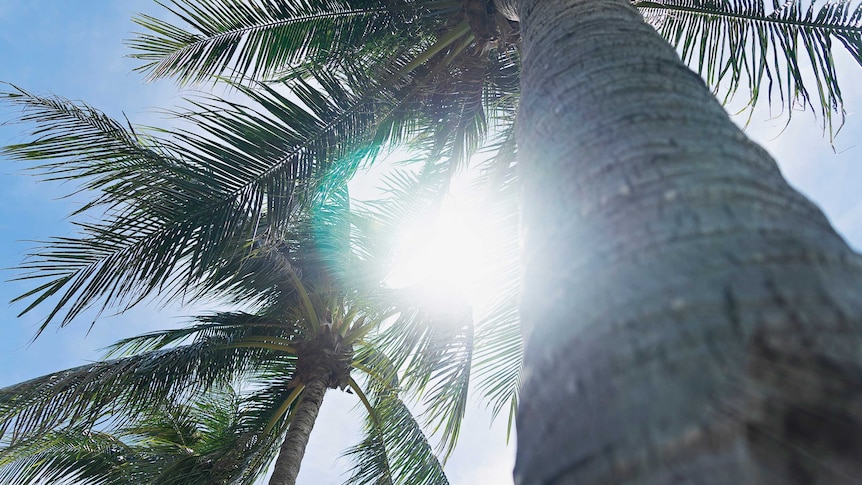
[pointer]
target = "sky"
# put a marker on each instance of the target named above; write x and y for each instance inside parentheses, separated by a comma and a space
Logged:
(74, 48)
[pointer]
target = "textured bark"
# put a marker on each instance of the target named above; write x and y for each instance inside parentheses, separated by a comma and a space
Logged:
(690, 317)
(293, 448)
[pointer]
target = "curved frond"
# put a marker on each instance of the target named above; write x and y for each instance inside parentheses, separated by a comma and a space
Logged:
(91, 457)
(431, 344)
(498, 358)
(177, 212)
(86, 395)
(255, 40)
(746, 43)
(499, 336)
(101, 147)
(209, 439)
(224, 327)
(395, 449)
(421, 56)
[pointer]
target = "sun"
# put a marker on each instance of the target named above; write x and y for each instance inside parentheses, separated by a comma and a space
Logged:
(451, 253)
(466, 249)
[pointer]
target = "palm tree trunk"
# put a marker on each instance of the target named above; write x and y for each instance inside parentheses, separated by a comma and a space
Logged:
(293, 448)
(691, 317)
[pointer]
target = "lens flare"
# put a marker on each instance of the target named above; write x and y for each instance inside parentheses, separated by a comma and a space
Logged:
(449, 254)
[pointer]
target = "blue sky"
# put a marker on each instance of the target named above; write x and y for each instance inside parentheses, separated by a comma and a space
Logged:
(74, 48)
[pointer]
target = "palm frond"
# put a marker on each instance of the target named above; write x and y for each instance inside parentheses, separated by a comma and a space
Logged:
(431, 345)
(497, 364)
(395, 453)
(100, 146)
(87, 456)
(255, 40)
(223, 327)
(395, 449)
(209, 439)
(499, 336)
(420, 55)
(744, 43)
(216, 442)
(176, 212)
(86, 395)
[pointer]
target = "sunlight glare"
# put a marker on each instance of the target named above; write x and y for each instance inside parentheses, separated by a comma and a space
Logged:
(447, 255)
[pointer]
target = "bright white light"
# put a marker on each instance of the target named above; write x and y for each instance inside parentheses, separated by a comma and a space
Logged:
(466, 251)
(450, 254)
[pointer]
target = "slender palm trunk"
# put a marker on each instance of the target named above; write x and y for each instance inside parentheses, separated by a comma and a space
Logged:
(293, 448)
(691, 317)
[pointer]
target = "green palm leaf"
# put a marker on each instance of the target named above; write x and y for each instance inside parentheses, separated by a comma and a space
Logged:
(175, 208)
(395, 449)
(745, 43)
(210, 439)
(91, 457)
(431, 343)
(499, 336)
(258, 39)
(418, 55)
(84, 396)
(207, 440)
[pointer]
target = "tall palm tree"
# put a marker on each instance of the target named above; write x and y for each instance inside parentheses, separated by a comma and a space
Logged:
(178, 217)
(690, 315)
(294, 349)
(103, 402)
(234, 209)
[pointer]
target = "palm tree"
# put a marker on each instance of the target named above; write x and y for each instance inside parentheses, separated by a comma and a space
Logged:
(690, 315)
(293, 350)
(61, 424)
(232, 209)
